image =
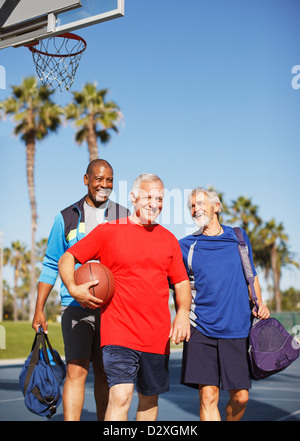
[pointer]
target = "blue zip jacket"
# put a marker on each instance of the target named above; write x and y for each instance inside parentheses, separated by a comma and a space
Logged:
(68, 228)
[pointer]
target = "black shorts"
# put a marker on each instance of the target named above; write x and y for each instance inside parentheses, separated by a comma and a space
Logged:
(215, 362)
(149, 371)
(81, 333)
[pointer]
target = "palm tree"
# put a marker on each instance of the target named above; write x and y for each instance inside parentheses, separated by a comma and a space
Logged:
(19, 259)
(35, 115)
(273, 254)
(94, 117)
(245, 213)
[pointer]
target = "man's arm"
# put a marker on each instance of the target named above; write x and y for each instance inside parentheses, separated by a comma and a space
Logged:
(81, 293)
(180, 329)
(39, 318)
(263, 311)
(55, 248)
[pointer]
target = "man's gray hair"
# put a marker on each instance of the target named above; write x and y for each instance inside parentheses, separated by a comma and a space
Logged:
(144, 177)
(212, 196)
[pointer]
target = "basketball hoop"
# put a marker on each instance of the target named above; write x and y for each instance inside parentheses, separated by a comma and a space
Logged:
(56, 59)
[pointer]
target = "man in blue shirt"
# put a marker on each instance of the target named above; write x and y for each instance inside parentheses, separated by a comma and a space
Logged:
(216, 355)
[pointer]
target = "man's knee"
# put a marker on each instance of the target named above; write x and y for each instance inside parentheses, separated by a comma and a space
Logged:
(120, 395)
(77, 369)
(240, 397)
(209, 395)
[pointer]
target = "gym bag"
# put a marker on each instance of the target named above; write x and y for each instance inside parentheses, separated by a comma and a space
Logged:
(42, 376)
(271, 348)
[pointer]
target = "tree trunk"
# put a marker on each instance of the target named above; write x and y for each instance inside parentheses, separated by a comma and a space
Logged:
(16, 278)
(30, 158)
(92, 139)
(276, 278)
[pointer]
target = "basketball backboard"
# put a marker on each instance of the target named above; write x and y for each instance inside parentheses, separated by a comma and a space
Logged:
(24, 21)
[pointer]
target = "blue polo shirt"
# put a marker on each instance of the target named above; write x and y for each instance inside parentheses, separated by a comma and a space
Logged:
(220, 300)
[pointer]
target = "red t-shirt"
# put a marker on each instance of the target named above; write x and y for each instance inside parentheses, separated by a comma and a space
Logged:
(143, 260)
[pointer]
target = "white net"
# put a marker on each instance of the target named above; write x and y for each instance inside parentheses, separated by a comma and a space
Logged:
(56, 59)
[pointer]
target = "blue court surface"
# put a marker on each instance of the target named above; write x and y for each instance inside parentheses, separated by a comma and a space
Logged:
(274, 399)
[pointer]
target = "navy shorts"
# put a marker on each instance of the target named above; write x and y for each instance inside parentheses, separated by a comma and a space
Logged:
(150, 372)
(215, 362)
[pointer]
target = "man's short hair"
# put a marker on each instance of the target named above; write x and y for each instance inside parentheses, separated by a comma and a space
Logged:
(212, 196)
(97, 162)
(144, 177)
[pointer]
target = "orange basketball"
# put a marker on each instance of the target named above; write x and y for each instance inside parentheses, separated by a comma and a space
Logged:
(96, 271)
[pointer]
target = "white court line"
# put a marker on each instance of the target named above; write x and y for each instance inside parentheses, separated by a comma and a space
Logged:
(13, 399)
(288, 416)
(294, 400)
(287, 389)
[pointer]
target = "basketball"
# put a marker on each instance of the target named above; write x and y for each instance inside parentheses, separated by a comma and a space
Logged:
(96, 271)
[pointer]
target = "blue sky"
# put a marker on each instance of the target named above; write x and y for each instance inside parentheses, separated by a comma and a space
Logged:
(205, 87)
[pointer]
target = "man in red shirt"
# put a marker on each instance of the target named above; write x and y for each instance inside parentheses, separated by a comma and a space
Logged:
(135, 326)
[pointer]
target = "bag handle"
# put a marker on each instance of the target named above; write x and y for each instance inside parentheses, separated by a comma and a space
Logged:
(44, 343)
(33, 359)
(244, 254)
(51, 350)
(40, 340)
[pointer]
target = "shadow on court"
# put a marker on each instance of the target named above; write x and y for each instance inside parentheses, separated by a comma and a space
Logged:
(274, 399)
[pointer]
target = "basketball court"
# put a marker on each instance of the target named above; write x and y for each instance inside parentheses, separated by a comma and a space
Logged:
(50, 30)
(274, 399)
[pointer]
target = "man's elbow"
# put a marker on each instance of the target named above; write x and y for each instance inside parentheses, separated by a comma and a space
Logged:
(66, 257)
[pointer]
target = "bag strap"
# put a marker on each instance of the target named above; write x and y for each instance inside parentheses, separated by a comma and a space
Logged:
(46, 401)
(189, 262)
(56, 361)
(40, 340)
(33, 359)
(244, 254)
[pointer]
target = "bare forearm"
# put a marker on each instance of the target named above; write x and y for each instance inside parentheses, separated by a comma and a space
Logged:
(263, 312)
(44, 289)
(181, 326)
(39, 318)
(257, 289)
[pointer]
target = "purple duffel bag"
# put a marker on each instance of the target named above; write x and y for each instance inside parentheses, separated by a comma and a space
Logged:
(271, 348)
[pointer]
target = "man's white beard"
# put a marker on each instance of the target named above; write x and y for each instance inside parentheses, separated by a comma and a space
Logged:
(202, 221)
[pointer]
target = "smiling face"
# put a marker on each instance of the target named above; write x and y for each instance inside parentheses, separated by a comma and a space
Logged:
(99, 183)
(148, 202)
(202, 211)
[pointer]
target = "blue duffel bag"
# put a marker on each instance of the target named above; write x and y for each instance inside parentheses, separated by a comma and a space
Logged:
(42, 376)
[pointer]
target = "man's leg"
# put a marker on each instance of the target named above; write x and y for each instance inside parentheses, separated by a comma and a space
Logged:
(74, 387)
(209, 398)
(237, 404)
(147, 408)
(100, 390)
(119, 400)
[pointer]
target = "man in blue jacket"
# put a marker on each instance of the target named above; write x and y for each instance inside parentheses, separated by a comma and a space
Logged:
(216, 354)
(80, 326)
